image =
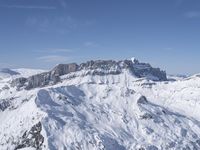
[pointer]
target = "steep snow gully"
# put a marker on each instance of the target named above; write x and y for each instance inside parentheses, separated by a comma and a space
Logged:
(100, 105)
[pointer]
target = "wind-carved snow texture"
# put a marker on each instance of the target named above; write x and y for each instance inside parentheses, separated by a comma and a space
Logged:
(92, 111)
(114, 118)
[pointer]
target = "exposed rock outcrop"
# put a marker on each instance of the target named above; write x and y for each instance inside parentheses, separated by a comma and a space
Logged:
(51, 77)
(32, 138)
(102, 67)
(19, 82)
(39, 80)
(142, 100)
(4, 104)
(63, 69)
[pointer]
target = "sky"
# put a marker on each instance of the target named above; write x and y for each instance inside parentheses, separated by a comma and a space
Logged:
(43, 33)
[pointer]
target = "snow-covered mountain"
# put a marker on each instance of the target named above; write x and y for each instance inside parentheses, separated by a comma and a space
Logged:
(6, 73)
(100, 105)
(16, 73)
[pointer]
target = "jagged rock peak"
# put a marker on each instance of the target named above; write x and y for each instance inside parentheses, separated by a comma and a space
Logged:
(104, 64)
(62, 69)
(107, 64)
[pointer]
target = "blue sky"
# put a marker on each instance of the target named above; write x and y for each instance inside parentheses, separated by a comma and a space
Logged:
(42, 33)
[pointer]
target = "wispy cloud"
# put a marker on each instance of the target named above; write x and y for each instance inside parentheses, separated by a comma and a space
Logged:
(29, 7)
(178, 2)
(90, 44)
(55, 50)
(63, 3)
(54, 55)
(62, 50)
(7, 65)
(192, 14)
(53, 58)
(60, 25)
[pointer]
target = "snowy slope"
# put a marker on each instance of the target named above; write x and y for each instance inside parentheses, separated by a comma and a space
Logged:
(110, 111)
(183, 96)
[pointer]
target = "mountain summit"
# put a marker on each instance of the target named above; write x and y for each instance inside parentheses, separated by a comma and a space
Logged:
(98, 67)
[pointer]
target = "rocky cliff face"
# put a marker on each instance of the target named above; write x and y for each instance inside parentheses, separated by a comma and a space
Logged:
(102, 67)
(98, 67)
(63, 69)
(32, 138)
(46, 78)
(144, 70)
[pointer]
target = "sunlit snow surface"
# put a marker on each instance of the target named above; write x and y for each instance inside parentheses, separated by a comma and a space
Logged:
(104, 112)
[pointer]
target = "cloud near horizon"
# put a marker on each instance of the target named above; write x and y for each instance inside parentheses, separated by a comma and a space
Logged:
(55, 50)
(28, 7)
(60, 25)
(193, 14)
(90, 44)
(53, 58)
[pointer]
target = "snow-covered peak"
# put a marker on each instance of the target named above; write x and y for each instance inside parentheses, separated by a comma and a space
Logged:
(9, 71)
(134, 60)
(16, 73)
(26, 72)
(6, 73)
